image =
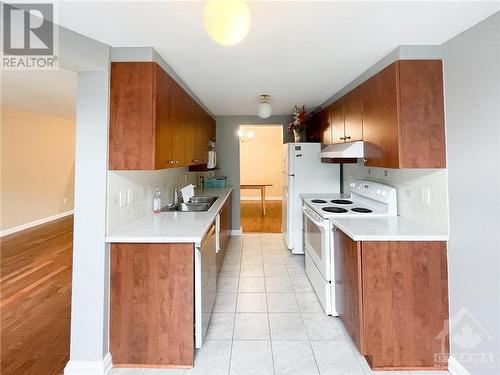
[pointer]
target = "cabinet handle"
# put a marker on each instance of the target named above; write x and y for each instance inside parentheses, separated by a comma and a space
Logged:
(171, 161)
(347, 137)
(342, 138)
(176, 162)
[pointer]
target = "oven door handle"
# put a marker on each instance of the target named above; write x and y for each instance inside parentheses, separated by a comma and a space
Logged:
(319, 224)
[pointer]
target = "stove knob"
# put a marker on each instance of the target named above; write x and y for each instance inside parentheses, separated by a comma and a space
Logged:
(352, 184)
(384, 193)
(378, 192)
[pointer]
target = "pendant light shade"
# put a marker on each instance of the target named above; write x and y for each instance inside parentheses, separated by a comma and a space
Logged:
(265, 109)
(227, 21)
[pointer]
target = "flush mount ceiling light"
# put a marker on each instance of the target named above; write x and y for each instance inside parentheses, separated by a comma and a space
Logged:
(265, 109)
(227, 21)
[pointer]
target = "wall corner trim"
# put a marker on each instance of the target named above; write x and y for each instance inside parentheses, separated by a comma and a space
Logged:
(455, 368)
(35, 223)
(90, 367)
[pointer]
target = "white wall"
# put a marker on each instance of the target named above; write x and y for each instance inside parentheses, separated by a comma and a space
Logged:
(472, 97)
(410, 185)
(38, 165)
(260, 162)
(141, 185)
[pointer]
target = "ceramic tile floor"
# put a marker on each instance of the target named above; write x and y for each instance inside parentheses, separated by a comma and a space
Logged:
(267, 320)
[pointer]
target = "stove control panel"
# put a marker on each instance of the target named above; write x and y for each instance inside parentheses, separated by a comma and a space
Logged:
(376, 191)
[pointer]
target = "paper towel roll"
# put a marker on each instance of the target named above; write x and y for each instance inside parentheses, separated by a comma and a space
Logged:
(187, 192)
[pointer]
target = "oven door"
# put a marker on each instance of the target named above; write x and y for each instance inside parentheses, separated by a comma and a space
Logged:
(317, 241)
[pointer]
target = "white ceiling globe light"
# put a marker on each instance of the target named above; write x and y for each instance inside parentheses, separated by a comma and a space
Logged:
(227, 21)
(265, 109)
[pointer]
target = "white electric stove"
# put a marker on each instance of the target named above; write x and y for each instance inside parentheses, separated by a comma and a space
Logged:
(365, 199)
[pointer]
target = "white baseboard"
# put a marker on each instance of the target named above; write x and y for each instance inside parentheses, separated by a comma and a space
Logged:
(89, 367)
(35, 223)
(258, 198)
(455, 368)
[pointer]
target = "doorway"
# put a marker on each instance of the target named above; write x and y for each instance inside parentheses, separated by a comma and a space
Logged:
(260, 177)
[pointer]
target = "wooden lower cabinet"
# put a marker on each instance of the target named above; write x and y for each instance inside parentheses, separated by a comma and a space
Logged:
(152, 305)
(392, 297)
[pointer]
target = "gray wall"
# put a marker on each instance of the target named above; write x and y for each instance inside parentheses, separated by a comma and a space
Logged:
(472, 95)
(228, 150)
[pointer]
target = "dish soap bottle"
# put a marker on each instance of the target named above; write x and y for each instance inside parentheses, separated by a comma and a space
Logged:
(157, 201)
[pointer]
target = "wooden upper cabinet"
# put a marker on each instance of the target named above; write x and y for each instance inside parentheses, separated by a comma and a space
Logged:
(325, 125)
(353, 115)
(337, 121)
(380, 118)
(132, 118)
(403, 116)
(165, 130)
(154, 123)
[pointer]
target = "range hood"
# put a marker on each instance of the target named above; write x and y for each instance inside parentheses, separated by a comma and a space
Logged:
(344, 150)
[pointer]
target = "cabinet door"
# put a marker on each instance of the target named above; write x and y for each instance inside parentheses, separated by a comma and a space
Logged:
(189, 132)
(405, 304)
(131, 132)
(348, 302)
(203, 132)
(337, 121)
(353, 117)
(152, 304)
(325, 128)
(422, 136)
(380, 118)
(167, 125)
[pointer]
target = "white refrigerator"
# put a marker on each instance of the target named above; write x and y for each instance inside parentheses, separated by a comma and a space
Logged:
(303, 172)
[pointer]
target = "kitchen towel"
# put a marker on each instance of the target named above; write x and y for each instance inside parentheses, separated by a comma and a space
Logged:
(187, 192)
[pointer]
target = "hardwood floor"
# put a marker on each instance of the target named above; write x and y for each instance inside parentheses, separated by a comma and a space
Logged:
(36, 298)
(252, 219)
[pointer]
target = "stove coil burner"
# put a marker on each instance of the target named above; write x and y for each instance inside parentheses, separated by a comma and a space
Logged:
(361, 210)
(341, 201)
(318, 201)
(336, 210)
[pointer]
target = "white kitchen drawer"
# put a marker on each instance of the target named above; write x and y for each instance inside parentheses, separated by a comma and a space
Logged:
(322, 288)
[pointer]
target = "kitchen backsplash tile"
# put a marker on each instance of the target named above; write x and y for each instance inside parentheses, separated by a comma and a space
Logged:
(422, 193)
(131, 193)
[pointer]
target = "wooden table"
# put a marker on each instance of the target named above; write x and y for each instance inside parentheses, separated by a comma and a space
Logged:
(262, 188)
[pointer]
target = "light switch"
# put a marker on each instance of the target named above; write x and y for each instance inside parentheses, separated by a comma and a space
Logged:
(123, 198)
(130, 196)
(426, 196)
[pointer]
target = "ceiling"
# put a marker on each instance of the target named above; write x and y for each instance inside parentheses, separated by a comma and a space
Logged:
(300, 52)
(50, 92)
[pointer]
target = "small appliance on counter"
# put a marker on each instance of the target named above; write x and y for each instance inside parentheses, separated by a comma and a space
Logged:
(212, 156)
(214, 182)
(367, 199)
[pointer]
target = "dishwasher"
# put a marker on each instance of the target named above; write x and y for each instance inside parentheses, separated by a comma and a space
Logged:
(205, 283)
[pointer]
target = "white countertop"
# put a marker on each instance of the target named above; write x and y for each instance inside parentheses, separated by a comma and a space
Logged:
(172, 227)
(389, 228)
(377, 228)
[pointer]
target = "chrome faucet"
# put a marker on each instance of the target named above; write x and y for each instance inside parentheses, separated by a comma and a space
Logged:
(177, 196)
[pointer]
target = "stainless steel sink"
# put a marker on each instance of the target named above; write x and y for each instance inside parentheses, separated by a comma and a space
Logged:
(196, 204)
(193, 207)
(199, 199)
